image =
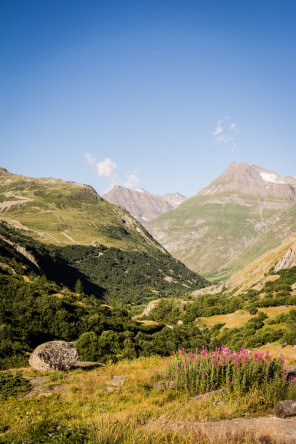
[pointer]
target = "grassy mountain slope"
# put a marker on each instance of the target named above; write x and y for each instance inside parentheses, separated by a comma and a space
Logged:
(205, 234)
(62, 213)
(257, 272)
(230, 222)
(72, 233)
(283, 226)
(129, 277)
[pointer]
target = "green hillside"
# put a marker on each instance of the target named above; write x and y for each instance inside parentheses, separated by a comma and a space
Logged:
(257, 307)
(52, 292)
(206, 235)
(243, 213)
(73, 234)
(250, 318)
(277, 232)
(68, 213)
(128, 277)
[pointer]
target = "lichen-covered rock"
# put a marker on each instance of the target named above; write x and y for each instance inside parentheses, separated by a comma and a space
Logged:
(53, 355)
(284, 409)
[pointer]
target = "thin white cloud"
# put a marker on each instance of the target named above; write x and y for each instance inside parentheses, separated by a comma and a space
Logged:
(218, 128)
(132, 180)
(91, 160)
(105, 168)
(225, 132)
(233, 129)
(153, 53)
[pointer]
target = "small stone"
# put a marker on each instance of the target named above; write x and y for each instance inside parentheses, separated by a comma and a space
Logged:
(161, 385)
(89, 408)
(88, 365)
(45, 394)
(207, 395)
(116, 380)
(220, 404)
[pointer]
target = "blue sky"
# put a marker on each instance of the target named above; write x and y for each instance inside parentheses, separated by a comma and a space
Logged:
(160, 95)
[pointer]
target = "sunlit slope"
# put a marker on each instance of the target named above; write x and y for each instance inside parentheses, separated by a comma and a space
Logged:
(206, 235)
(239, 216)
(60, 212)
(257, 273)
(283, 227)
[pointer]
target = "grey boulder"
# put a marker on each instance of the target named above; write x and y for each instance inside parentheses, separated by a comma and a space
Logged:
(53, 355)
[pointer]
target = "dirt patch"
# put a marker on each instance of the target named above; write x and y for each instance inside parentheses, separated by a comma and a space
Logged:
(267, 429)
(39, 387)
(4, 206)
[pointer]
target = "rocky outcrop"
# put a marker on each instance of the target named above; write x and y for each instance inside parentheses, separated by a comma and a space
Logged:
(53, 355)
(86, 365)
(288, 261)
(150, 306)
(213, 289)
(285, 409)
(21, 250)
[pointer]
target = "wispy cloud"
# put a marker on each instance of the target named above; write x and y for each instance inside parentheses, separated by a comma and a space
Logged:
(153, 54)
(105, 168)
(225, 132)
(218, 128)
(132, 179)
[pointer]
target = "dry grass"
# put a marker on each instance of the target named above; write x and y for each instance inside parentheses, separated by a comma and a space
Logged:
(240, 317)
(255, 272)
(275, 311)
(115, 414)
(231, 320)
(147, 322)
(288, 352)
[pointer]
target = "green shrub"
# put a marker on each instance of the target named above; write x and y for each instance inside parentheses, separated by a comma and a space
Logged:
(12, 385)
(48, 431)
(240, 373)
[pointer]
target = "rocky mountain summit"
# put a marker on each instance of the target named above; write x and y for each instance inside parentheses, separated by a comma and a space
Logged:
(240, 178)
(141, 204)
(242, 214)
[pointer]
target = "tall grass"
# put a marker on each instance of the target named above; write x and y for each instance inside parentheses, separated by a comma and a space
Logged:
(240, 373)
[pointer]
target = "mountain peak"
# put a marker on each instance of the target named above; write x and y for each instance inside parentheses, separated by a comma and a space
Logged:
(141, 204)
(244, 179)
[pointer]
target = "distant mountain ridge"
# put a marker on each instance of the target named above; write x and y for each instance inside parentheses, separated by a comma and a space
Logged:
(141, 204)
(243, 213)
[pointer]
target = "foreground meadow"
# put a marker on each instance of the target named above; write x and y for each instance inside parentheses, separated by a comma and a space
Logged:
(120, 403)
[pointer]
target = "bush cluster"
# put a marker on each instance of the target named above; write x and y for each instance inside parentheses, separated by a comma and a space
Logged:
(11, 385)
(240, 373)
